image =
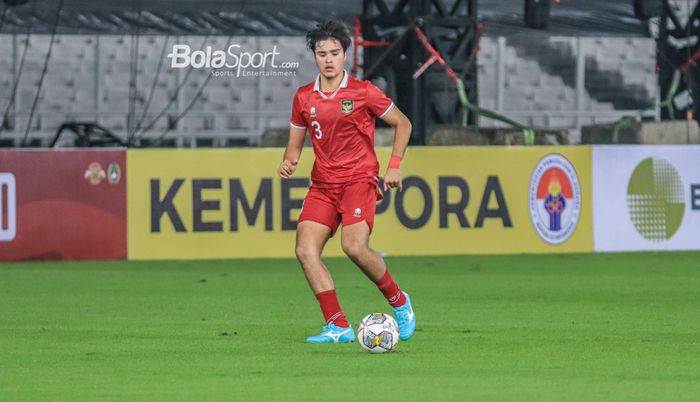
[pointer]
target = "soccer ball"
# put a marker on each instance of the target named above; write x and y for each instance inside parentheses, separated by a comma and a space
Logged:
(378, 333)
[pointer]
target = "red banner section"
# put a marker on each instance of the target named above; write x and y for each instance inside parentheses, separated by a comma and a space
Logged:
(62, 205)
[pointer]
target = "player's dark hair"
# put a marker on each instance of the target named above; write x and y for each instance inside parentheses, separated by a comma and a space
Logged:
(332, 29)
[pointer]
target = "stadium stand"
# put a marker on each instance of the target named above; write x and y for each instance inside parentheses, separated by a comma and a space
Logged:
(89, 78)
(539, 83)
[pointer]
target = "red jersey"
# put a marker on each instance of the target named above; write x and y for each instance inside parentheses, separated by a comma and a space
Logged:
(341, 126)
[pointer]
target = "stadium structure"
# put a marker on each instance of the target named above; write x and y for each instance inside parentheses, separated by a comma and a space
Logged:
(100, 63)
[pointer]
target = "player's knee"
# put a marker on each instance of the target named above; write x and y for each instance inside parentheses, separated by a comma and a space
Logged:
(353, 248)
(305, 253)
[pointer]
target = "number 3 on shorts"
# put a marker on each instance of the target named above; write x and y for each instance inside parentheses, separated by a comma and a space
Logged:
(317, 129)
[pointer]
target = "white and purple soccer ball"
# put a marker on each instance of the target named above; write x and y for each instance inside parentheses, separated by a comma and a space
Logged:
(378, 333)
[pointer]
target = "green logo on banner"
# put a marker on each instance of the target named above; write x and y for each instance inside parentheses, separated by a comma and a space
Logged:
(655, 199)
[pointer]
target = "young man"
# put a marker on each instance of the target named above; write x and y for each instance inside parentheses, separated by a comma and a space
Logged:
(339, 112)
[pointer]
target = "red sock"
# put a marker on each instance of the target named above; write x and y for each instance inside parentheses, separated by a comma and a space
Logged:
(391, 290)
(331, 308)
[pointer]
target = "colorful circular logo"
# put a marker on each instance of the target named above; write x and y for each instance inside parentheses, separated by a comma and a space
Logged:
(655, 199)
(555, 199)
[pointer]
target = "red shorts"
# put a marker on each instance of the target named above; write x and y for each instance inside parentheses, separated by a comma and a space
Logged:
(351, 203)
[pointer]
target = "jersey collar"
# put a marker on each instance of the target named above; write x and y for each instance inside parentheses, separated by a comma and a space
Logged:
(343, 84)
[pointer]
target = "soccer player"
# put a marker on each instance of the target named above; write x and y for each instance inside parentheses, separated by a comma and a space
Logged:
(339, 113)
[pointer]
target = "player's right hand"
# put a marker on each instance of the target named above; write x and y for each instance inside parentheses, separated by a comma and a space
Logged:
(287, 168)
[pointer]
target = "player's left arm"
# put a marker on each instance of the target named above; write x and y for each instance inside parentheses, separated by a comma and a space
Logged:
(402, 133)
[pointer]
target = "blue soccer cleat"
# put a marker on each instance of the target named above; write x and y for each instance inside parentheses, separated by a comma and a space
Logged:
(332, 333)
(406, 319)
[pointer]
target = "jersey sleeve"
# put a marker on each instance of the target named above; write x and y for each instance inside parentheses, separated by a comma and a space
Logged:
(379, 104)
(297, 120)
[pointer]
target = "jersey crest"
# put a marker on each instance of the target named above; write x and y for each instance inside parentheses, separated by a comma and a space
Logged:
(346, 106)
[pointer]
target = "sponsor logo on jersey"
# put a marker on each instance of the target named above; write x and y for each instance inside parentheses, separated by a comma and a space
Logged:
(555, 199)
(346, 106)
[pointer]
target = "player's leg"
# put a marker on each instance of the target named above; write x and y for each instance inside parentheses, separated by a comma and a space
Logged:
(358, 207)
(312, 236)
(355, 242)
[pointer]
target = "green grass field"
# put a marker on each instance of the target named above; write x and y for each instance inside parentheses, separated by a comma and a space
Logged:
(559, 328)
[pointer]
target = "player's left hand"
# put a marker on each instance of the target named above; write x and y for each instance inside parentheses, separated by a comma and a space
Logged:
(392, 179)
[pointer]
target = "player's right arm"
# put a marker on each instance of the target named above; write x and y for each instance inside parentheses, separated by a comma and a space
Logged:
(293, 152)
(297, 132)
